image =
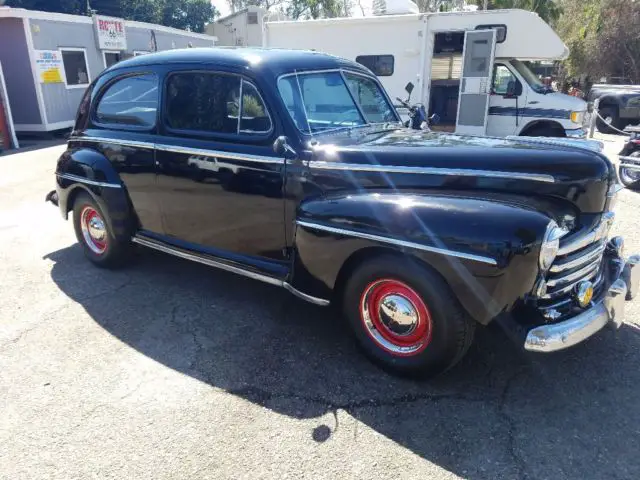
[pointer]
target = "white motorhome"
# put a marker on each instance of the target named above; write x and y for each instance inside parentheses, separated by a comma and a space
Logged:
(466, 66)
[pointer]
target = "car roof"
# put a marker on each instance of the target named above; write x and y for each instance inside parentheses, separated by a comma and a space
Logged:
(275, 60)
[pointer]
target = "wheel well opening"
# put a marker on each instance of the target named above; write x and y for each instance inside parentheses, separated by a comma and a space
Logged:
(554, 127)
(357, 258)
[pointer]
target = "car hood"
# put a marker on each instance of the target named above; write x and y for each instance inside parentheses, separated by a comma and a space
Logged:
(525, 167)
(565, 102)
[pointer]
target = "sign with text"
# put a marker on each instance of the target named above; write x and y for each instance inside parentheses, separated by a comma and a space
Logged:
(110, 33)
(48, 66)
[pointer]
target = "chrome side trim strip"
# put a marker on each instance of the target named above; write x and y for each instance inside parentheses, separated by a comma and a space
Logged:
(76, 178)
(186, 150)
(219, 154)
(398, 242)
(206, 261)
(126, 143)
(462, 172)
(229, 268)
(304, 296)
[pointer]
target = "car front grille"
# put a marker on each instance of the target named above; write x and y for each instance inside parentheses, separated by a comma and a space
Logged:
(579, 258)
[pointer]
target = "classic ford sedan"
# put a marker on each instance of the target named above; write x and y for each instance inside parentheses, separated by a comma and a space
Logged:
(293, 168)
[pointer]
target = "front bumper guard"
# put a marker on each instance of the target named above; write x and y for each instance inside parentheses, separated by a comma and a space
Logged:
(609, 310)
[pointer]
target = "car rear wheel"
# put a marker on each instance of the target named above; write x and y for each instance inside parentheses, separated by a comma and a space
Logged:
(94, 234)
(405, 317)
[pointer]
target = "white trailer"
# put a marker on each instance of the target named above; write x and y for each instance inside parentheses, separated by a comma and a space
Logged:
(466, 66)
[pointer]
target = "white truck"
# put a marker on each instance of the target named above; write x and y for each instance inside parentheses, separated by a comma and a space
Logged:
(467, 67)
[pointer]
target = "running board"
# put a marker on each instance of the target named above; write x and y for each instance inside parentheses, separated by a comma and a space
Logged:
(163, 247)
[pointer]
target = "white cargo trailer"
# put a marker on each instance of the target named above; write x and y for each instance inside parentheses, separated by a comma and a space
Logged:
(466, 66)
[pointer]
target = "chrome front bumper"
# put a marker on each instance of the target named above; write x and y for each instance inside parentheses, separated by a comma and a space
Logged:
(575, 133)
(608, 310)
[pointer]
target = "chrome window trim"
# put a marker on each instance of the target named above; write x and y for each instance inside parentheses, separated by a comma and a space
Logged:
(266, 109)
(464, 172)
(147, 242)
(398, 242)
(76, 178)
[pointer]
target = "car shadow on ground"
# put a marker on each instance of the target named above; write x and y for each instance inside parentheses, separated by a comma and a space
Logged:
(500, 413)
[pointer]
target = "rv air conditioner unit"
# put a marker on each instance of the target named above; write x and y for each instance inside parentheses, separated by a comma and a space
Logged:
(394, 7)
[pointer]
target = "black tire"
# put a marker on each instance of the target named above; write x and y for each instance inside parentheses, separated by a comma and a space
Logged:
(543, 132)
(109, 252)
(630, 178)
(608, 112)
(450, 328)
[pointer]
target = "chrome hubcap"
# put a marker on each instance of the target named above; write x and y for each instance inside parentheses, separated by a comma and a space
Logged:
(94, 230)
(398, 314)
(395, 317)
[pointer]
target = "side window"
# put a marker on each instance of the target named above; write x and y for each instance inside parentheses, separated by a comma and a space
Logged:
(76, 71)
(380, 65)
(373, 103)
(501, 78)
(255, 118)
(130, 101)
(210, 102)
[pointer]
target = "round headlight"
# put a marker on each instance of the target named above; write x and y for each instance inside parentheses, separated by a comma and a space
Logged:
(550, 245)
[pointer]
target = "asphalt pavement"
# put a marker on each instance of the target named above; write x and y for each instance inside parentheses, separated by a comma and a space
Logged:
(172, 370)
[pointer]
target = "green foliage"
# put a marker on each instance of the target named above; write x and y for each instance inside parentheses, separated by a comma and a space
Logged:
(548, 10)
(603, 37)
(183, 14)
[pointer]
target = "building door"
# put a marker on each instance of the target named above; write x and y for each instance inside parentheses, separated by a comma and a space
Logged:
(475, 85)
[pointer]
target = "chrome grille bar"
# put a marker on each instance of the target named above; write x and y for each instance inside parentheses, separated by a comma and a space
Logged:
(577, 275)
(579, 259)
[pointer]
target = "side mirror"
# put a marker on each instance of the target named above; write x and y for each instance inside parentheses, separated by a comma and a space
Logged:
(409, 88)
(282, 148)
(514, 89)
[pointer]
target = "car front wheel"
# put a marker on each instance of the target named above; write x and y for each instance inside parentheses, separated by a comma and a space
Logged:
(405, 317)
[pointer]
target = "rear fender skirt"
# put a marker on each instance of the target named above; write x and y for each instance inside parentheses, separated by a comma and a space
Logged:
(486, 251)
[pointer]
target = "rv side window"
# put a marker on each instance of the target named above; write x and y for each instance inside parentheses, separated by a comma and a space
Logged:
(501, 31)
(380, 65)
(131, 101)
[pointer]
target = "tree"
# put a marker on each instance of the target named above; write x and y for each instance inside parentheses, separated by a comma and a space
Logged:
(183, 14)
(75, 7)
(318, 9)
(548, 10)
(603, 38)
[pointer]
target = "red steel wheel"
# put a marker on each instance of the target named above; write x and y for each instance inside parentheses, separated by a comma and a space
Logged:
(395, 317)
(94, 231)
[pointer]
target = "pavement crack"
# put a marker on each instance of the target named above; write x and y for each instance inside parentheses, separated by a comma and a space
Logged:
(126, 283)
(262, 397)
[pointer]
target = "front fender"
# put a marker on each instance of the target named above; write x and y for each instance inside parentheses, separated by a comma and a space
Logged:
(85, 170)
(487, 251)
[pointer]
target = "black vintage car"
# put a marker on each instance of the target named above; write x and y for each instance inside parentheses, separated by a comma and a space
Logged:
(293, 168)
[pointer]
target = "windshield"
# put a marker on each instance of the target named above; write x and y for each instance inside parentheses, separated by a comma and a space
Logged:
(530, 77)
(322, 101)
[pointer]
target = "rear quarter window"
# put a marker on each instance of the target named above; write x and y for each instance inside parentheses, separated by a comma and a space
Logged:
(129, 102)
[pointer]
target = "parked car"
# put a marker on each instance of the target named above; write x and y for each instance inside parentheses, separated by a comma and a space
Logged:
(416, 236)
(629, 169)
(619, 106)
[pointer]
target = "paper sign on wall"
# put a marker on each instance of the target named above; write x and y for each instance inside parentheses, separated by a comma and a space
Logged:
(48, 66)
(110, 33)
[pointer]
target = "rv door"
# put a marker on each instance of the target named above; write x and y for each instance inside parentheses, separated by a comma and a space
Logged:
(475, 82)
